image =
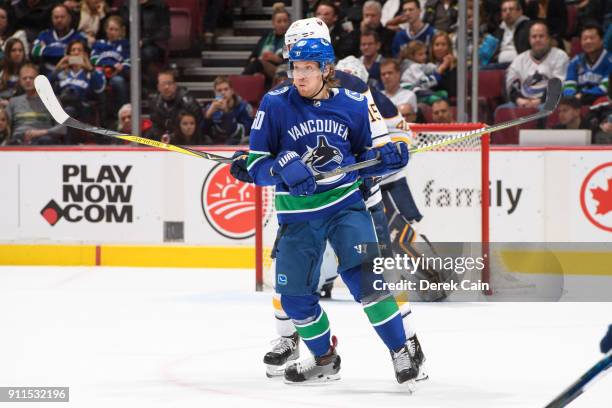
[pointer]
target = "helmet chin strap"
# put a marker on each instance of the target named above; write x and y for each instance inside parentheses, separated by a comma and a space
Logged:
(319, 91)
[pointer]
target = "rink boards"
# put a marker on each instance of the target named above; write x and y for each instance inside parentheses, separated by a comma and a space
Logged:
(136, 206)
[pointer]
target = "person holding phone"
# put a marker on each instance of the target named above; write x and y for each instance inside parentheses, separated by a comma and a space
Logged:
(77, 83)
(227, 118)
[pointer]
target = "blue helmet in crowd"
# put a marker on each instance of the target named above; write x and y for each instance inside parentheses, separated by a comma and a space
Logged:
(313, 49)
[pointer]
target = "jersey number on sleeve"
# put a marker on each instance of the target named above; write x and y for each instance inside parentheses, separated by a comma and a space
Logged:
(259, 117)
(373, 111)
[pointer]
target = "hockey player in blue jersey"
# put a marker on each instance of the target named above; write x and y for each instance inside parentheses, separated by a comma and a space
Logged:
(298, 131)
(383, 119)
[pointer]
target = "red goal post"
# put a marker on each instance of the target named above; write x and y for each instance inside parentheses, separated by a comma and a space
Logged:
(470, 165)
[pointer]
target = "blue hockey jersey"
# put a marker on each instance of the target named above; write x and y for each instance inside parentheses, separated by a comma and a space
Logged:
(403, 37)
(108, 53)
(326, 133)
(588, 79)
(52, 48)
(83, 83)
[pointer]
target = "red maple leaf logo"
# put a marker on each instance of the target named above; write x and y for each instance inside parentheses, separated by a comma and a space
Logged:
(604, 198)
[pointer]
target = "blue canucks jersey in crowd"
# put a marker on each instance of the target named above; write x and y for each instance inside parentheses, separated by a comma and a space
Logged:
(52, 48)
(106, 53)
(82, 83)
(583, 77)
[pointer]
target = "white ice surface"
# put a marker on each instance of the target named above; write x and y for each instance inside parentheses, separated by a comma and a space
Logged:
(126, 337)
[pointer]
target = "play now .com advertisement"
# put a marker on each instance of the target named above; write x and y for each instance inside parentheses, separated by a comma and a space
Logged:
(139, 197)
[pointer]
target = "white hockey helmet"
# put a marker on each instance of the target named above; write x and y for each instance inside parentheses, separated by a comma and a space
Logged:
(353, 66)
(305, 28)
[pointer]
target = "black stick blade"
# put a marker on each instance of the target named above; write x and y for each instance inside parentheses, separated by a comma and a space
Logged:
(553, 94)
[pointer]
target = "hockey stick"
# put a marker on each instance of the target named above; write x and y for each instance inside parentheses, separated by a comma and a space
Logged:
(587, 379)
(45, 91)
(553, 95)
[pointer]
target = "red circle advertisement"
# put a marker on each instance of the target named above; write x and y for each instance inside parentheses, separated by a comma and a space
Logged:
(596, 196)
(229, 204)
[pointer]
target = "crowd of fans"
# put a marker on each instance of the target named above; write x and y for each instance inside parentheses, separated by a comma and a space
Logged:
(408, 48)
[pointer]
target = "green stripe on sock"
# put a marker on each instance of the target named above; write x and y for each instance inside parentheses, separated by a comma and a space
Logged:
(315, 328)
(380, 311)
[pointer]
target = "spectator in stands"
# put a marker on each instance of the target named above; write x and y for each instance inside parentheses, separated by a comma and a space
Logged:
(268, 53)
(421, 76)
(417, 30)
(280, 75)
(345, 42)
(14, 59)
(600, 118)
(113, 56)
(441, 112)
(30, 121)
(125, 122)
(187, 132)
(554, 13)
(213, 12)
(441, 54)
(442, 14)
(570, 116)
(154, 35)
(5, 127)
(393, 89)
(528, 75)
(588, 72)
(50, 46)
(89, 19)
(8, 30)
(370, 45)
(166, 105)
(228, 118)
(372, 13)
(408, 112)
(33, 16)
(79, 85)
(512, 36)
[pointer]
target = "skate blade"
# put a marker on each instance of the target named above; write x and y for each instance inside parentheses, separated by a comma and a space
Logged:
(409, 385)
(422, 376)
(328, 379)
(273, 371)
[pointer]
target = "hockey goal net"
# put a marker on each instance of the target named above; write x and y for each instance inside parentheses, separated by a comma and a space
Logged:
(449, 185)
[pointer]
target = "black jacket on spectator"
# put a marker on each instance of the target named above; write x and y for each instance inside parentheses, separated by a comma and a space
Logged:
(556, 17)
(154, 22)
(521, 37)
(164, 114)
(592, 12)
(345, 43)
(431, 7)
(33, 19)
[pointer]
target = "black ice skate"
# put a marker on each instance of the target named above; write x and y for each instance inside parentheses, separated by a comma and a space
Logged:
(318, 370)
(326, 290)
(418, 357)
(406, 368)
(285, 349)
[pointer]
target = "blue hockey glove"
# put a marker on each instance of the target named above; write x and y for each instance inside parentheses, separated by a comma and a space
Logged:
(239, 166)
(294, 173)
(606, 342)
(393, 157)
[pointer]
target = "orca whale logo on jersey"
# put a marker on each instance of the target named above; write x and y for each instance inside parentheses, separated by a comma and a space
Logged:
(323, 157)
